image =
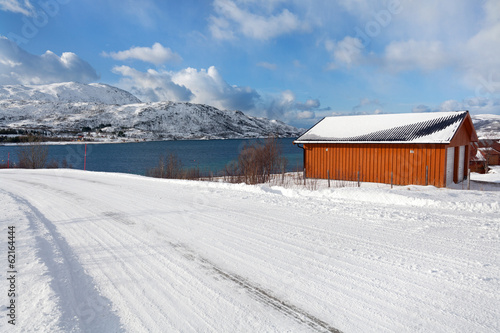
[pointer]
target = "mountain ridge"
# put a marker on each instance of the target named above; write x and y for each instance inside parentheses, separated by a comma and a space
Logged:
(100, 112)
(69, 92)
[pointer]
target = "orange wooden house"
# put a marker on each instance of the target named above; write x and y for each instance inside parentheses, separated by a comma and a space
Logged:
(400, 149)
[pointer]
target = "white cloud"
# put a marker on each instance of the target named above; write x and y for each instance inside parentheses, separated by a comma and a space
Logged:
(310, 104)
(152, 86)
(457, 35)
(412, 54)
(421, 108)
(345, 53)
(207, 86)
(20, 67)
(16, 6)
(267, 65)
(297, 64)
(258, 26)
(360, 8)
(286, 107)
(157, 54)
(221, 28)
(187, 85)
(475, 105)
(481, 63)
(492, 10)
(366, 104)
(305, 115)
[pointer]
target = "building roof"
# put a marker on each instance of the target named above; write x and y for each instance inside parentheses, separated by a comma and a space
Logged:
(489, 150)
(479, 157)
(489, 143)
(434, 127)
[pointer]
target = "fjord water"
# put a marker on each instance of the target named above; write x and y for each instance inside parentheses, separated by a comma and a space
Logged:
(136, 158)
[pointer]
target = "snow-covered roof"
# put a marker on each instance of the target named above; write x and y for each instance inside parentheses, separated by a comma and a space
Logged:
(489, 150)
(436, 127)
(479, 157)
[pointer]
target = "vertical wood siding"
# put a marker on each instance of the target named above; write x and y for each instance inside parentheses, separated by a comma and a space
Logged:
(376, 162)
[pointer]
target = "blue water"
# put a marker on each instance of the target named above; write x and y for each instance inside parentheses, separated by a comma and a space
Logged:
(136, 158)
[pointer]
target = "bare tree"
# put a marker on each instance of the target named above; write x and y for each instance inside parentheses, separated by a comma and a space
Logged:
(33, 155)
(171, 167)
(258, 162)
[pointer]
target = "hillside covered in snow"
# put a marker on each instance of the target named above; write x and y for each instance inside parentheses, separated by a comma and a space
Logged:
(487, 126)
(69, 92)
(100, 112)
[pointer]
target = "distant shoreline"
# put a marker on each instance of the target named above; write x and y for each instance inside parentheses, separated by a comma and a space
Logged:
(63, 143)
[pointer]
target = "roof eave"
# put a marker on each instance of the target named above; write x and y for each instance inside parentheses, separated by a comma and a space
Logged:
(372, 142)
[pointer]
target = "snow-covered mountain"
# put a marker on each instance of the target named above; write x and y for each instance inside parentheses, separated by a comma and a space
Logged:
(487, 125)
(103, 111)
(68, 92)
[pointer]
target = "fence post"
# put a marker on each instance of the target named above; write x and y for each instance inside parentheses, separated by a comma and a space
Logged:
(468, 179)
(304, 176)
(328, 173)
(359, 185)
(426, 175)
(391, 179)
(85, 158)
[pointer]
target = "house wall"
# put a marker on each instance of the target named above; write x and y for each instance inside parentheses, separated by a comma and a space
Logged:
(462, 138)
(493, 158)
(375, 162)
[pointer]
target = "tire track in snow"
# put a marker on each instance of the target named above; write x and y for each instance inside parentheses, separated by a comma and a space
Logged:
(82, 307)
(116, 234)
(109, 240)
(263, 296)
(286, 308)
(256, 232)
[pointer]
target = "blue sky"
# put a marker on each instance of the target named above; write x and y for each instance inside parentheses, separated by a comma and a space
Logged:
(293, 60)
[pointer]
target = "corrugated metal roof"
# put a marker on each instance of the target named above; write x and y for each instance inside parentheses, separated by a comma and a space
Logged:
(438, 127)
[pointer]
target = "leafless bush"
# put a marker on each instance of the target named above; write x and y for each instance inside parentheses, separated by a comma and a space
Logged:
(33, 155)
(167, 167)
(171, 167)
(66, 165)
(232, 173)
(53, 164)
(312, 184)
(256, 163)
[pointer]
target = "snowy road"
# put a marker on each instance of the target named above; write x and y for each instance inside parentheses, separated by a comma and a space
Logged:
(101, 252)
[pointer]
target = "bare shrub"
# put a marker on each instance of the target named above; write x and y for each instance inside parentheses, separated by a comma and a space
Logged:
(170, 167)
(33, 155)
(167, 167)
(257, 162)
(312, 184)
(65, 164)
(53, 164)
(192, 174)
(231, 173)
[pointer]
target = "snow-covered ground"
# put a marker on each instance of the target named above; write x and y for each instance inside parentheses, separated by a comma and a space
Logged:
(493, 175)
(105, 252)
